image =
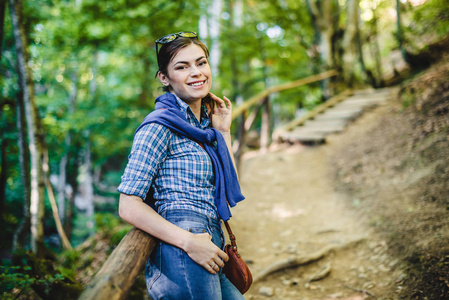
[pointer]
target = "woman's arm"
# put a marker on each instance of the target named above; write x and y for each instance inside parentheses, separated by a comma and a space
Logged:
(199, 247)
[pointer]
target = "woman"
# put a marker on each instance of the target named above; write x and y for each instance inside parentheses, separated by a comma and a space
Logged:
(182, 151)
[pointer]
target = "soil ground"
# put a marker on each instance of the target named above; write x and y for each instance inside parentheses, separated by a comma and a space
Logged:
(377, 194)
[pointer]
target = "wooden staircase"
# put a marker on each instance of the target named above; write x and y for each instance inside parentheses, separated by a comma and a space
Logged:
(331, 117)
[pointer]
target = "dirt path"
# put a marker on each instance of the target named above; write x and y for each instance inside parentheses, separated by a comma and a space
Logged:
(291, 211)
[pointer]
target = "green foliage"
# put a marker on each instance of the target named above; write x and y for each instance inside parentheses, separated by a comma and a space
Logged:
(15, 280)
(106, 221)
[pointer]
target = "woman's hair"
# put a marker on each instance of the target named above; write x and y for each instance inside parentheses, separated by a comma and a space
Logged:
(169, 50)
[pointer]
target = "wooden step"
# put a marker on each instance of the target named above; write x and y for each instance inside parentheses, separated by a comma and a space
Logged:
(330, 114)
(335, 118)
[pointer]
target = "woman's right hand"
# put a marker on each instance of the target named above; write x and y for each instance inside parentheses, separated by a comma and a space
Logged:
(204, 252)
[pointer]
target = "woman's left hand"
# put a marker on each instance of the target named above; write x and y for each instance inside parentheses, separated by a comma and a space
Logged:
(222, 114)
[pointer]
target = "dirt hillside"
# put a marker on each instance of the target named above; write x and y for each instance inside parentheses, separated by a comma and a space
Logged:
(364, 216)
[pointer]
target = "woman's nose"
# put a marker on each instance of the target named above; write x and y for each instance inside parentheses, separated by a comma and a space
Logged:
(194, 71)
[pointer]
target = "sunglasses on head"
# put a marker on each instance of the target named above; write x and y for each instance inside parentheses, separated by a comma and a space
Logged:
(173, 36)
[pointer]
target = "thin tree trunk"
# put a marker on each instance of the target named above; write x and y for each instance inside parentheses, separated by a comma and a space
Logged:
(214, 12)
(144, 97)
(24, 160)
(62, 181)
(64, 240)
(323, 20)
(265, 129)
(88, 187)
(88, 180)
(399, 31)
(2, 24)
(73, 182)
(35, 134)
(349, 41)
(376, 49)
(4, 166)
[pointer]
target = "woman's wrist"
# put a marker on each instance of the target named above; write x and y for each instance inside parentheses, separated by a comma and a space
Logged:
(225, 133)
(185, 240)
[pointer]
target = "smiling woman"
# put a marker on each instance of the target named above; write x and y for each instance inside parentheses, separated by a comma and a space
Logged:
(181, 164)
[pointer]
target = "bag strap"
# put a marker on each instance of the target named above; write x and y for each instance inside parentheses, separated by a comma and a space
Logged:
(232, 238)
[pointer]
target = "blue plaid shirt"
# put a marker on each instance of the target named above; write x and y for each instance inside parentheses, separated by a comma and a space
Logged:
(179, 169)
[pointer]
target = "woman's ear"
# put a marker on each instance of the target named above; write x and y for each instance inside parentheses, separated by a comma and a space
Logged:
(163, 78)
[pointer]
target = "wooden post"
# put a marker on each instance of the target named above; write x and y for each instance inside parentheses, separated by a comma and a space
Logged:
(120, 270)
(241, 137)
(265, 129)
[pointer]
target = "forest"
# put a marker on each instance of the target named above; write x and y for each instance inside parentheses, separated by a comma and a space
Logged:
(78, 77)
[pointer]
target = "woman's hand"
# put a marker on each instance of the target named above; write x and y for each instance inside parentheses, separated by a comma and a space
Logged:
(222, 114)
(204, 252)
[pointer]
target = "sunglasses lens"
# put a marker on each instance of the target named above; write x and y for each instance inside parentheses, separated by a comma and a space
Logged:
(166, 39)
(187, 34)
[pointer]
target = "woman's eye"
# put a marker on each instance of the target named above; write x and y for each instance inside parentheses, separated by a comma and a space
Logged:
(180, 68)
(202, 63)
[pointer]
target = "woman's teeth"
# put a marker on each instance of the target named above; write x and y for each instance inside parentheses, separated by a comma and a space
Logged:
(196, 83)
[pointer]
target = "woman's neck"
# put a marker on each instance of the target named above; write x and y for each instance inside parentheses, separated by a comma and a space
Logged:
(195, 106)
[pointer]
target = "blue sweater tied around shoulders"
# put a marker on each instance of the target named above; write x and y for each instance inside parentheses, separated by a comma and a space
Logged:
(227, 187)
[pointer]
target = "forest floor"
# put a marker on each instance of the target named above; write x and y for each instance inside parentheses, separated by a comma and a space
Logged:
(364, 216)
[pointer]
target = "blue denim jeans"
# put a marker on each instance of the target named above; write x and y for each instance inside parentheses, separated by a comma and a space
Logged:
(171, 274)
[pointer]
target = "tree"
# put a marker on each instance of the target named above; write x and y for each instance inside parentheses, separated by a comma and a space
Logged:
(349, 43)
(35, 132)
(324, 15)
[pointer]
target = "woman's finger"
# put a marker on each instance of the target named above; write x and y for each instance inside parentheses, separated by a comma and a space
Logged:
(228, 102)
(220, 102)
(211, 268)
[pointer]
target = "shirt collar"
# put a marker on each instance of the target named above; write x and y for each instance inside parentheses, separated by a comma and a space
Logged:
(189, 113)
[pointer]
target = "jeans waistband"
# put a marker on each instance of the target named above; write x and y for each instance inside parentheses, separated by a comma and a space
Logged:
(184, 214)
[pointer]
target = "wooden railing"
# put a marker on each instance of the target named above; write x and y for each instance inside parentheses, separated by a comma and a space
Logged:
(120, 270)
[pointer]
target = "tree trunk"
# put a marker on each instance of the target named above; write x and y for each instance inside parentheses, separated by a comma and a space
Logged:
(213, 23)
(24, 159)
(375, 50)
(2, 24)
(324, 20)
(62, 181)
(72, 176)
(265, 130)
(399, 35)
(146, 80)
(350, 42)
(3, 167)
(88, 187)
(35, 133)
(64, 240)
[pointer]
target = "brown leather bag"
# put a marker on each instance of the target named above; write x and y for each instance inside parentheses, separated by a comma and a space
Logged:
(235, 268)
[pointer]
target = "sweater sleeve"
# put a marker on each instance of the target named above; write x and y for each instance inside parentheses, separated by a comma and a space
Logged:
(149, 150)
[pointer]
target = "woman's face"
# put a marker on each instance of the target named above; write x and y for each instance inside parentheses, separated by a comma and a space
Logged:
(189, 75)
